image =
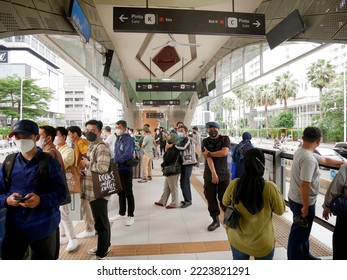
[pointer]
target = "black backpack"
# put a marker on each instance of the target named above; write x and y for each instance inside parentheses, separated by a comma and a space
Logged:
(44, 159)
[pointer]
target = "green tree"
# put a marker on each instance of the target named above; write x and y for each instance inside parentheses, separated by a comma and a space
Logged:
(320, 74)
(228, 104)
(265, 98)
(285, 119)
(285, 87)
(214, 107)
(332, 105)
(35, 98)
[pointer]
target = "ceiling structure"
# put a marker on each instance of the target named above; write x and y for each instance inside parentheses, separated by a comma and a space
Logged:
(325, 22)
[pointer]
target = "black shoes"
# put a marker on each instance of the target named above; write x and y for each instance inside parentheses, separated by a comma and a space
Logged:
(215, 224)
(185, 204)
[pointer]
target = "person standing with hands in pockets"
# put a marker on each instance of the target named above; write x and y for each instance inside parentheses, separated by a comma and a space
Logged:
(216, 174)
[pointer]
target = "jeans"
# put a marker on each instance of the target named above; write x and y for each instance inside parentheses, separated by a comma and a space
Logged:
(102, 226)
(126, 196)
(237, 255)
(2, 226)
(185, 182)
(298, 241)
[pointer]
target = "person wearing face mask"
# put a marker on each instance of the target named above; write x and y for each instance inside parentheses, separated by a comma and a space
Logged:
(110, 139)
(138, 138)
(97, 160)
(124, 151)
(32, 204)
(67, 231)
(216, 174)
(81, 148)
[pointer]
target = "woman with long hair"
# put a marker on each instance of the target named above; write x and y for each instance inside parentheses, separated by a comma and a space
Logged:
(255, 199)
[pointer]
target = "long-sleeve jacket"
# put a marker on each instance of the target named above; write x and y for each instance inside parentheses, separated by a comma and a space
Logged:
(123, 151)
(255, 233)
(100, 157)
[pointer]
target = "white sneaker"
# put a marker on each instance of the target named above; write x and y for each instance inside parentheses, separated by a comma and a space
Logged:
(130, 221)
(73, 244)
(117, 218)
(63, 240)
(93, 251)
(85, 234)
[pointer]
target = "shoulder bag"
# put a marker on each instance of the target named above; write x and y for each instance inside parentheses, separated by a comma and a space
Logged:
(172, 169)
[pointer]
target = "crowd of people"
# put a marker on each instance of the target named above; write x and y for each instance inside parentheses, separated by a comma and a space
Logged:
(34, 193)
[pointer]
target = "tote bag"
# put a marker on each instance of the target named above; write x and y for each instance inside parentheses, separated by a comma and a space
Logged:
(73, 179)
(105, 184)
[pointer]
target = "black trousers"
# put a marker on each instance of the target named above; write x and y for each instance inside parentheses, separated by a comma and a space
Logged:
(212, 192)
(15, 246)
(340, 238)
(102, 225)
(127, 195)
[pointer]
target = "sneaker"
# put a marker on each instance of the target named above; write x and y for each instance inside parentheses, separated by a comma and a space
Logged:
(186, 204)
(63, 240)
(85, 234)
(158, 204)
(130, 221)
(117, 217)
(149, 178)
(93, 251)
(72, 245)
(143, 180)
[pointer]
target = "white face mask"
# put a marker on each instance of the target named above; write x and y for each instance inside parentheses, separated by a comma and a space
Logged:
(119, 132)
(57, 140)
(40, 143)
(25, 145)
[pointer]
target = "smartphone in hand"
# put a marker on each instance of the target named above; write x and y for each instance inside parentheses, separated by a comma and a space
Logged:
(20, 198)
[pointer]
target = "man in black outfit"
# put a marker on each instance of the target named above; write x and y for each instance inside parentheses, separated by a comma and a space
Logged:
(216, 174)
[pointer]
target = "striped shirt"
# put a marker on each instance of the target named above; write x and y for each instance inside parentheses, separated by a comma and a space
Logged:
(39, 222)
(100, 158)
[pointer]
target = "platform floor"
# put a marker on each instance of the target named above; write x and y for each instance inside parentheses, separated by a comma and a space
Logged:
(174, 234)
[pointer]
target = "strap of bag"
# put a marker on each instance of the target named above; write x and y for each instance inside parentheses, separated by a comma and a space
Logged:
(8, 167)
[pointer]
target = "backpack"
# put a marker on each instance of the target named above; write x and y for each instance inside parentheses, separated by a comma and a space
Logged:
(44, 159)
(188, 155)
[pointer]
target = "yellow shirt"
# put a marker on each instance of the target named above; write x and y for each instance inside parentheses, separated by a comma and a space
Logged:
(81, 148)
(255, 234)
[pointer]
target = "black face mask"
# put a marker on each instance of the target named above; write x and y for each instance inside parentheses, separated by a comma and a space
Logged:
(90, 136)
(213, 133)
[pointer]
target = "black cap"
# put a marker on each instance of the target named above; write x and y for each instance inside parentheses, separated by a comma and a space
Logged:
(212, 124)
(27, 127)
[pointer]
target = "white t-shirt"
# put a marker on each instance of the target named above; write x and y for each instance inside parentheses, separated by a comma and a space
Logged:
(305, 167)
(111, 141)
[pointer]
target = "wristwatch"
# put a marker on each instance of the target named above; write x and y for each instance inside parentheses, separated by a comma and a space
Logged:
(208, 154)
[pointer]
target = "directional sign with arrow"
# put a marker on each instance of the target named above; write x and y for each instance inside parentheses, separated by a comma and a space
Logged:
(187, 21)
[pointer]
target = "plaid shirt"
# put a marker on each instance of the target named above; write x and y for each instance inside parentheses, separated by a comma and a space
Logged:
(100, 157)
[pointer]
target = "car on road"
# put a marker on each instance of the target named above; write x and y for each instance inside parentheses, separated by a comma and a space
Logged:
(341, 148)
(328, 152)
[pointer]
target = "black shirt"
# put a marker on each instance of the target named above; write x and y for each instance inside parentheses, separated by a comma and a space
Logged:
(220, 163)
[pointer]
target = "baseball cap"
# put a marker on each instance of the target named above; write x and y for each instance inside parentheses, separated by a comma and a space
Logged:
(212, 124)
(27, 127)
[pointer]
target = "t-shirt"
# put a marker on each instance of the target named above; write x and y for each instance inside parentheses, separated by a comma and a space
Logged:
(148, 143)
(220, 163)
(305, 167)
(111, 141)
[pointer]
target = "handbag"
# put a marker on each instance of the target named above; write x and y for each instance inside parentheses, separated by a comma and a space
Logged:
(73, 179)
(134, 161)
(105, 184)
(172, 169)
(338, 206)
(231, 215)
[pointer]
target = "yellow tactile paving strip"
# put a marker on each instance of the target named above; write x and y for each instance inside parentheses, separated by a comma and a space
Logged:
(282, 229)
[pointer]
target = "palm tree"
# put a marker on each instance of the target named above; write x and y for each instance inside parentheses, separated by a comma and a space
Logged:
(265, 98)
(243, 94)
(228, 104)
(320, 74)
(285, 87)
(214, 108)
